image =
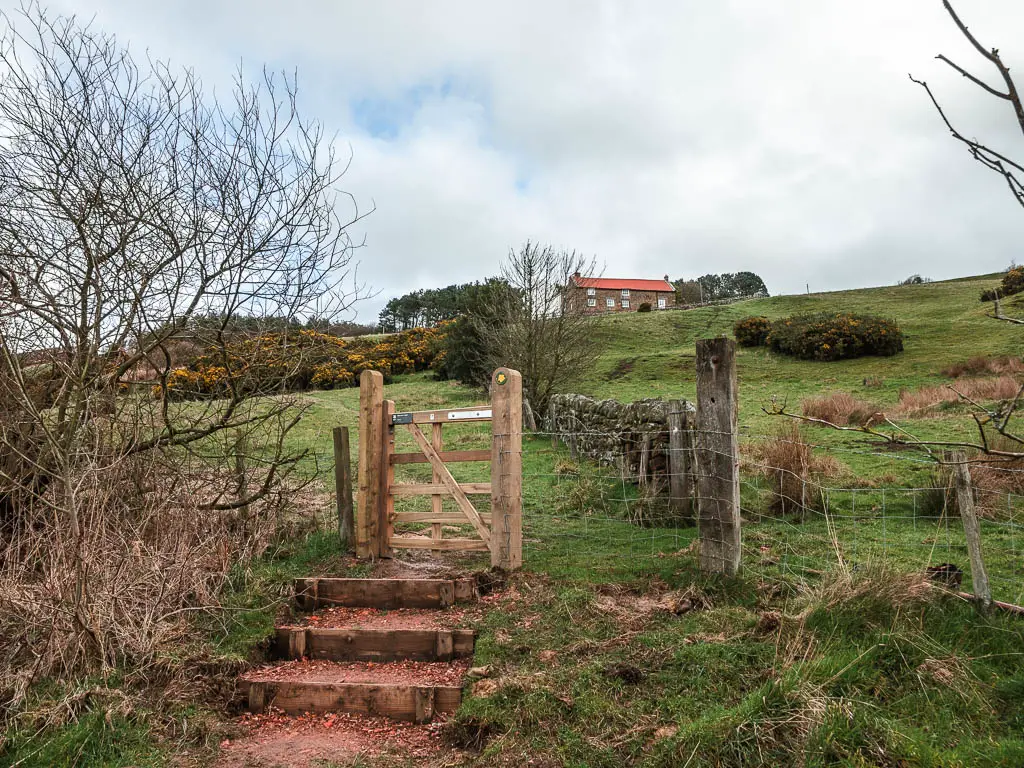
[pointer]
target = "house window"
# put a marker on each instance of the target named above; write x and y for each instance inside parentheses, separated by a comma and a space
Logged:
(591, 302)
(625, 303)
(591, 291)
(625, 293)
(610, 303)
(661, 303)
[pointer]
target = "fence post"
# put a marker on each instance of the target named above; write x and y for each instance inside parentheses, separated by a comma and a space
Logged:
(972, 531)
(506, 469)
(718, 478)
(680, 487)
(343, 487)
(371, 436)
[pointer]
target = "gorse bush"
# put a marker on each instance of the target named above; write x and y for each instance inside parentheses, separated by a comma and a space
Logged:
(295, 362)
(835, 336)
(752, 331)
(1012, 282)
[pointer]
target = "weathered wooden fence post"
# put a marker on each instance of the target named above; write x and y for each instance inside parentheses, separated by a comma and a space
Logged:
(679, 459)
(371, 444)
(718, 478)
(972, 531)
(506, 469)
(343, 488)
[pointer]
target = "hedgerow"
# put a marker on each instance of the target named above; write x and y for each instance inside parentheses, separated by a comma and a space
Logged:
(1012, 282)
(295, 362)
(835, 336)
(752, 331)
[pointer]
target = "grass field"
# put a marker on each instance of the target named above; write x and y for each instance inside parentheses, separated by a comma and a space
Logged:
(827, 650)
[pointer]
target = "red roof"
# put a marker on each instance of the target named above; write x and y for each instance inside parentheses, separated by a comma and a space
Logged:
(617, 284)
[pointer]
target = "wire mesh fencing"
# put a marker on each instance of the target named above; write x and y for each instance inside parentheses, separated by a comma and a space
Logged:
(801, 514)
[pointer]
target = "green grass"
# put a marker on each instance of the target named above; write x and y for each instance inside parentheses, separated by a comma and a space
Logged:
(843, 680)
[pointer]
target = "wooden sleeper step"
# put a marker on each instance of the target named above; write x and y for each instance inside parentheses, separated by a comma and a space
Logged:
(313, 593)
(411, 703)
(378, 645)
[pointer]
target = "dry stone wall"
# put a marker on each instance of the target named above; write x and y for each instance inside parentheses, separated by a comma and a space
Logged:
(632, 436)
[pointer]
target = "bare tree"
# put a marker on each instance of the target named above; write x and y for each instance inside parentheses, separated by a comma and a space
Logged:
(534, 328)
(132, 203)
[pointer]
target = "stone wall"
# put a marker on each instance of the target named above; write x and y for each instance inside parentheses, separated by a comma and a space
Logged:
(631, 436)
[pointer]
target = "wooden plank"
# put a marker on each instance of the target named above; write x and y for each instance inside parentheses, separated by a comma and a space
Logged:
(449, 415)
(718, 456)
(449, 545)
(507, 469)
(371, 399)
(680, 487)
(382, 645)
(343, 488)
(448, 457)
(449, 518)
(312, 593)
(410, 703)
(438, 490)
(436, 501)
(972, 531)
(387, 499)
(446, 477)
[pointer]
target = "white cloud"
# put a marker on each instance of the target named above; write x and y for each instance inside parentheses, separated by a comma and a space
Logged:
(677, 137)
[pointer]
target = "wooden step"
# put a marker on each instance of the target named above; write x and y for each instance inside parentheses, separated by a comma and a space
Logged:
(405, 690)
(373, 644)
(313, 593)
(412, 703)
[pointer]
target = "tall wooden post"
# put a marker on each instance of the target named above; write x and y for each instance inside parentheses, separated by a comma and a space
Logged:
(343, 488)
(507, 469)
(972, 530)
(371, 443)
(718, 477)
(679, 470)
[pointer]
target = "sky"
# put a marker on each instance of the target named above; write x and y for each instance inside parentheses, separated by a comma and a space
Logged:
(660, 136)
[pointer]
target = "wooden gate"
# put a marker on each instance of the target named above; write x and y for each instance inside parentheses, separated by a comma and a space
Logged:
(497, 529)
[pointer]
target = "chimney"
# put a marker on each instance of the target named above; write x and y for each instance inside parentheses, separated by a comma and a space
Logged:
(666, 279)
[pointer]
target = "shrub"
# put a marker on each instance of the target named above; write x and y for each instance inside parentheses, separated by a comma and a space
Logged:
(1012, 282)
(752, 331)
(644, 307)
(914, 280)
(835, 336)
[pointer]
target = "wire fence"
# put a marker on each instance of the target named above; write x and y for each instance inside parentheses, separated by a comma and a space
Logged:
(795, 522)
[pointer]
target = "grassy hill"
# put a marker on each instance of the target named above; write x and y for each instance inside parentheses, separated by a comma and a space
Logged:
(612, 649)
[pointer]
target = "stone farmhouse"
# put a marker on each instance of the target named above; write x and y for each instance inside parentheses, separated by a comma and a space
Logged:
(597, 295)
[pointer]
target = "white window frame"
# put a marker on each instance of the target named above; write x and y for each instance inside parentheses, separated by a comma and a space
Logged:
(610, 303)
(625, 293)
(591, 291)
(662, 303)
(591, 302)
(625, 303)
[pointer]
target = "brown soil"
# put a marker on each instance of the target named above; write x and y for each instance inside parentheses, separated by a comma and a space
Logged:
(392, 672)
(313, 740)
(374, 618)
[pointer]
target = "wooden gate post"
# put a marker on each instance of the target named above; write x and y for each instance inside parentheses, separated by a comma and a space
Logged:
(972, 531)
(718, 477)
(343, 488)
(507, 469)
(371, 445)
(680, 473)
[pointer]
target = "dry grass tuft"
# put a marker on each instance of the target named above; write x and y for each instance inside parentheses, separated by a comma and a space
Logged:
(792, 468)
(986, 365)
(926, 400)
(842, 408)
